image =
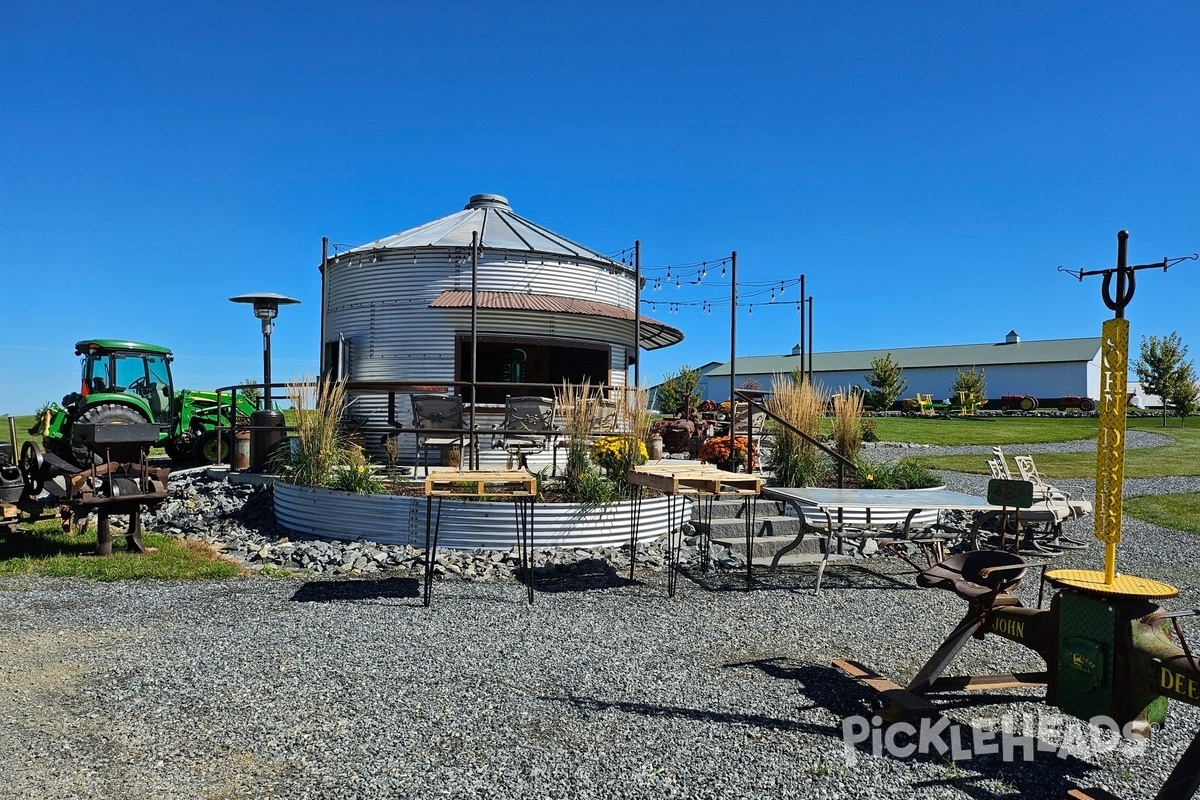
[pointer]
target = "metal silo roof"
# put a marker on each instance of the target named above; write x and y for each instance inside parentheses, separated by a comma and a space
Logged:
(500, 229)
(655, 334)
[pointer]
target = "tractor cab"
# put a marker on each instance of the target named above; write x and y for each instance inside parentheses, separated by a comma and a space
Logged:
(130, 373)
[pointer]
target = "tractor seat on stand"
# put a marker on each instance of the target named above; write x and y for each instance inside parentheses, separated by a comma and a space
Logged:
(971, 576)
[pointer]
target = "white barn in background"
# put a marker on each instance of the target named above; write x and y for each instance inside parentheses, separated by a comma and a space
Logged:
(1047, 369)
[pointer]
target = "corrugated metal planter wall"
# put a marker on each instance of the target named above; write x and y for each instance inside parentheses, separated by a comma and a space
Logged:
(469, 525)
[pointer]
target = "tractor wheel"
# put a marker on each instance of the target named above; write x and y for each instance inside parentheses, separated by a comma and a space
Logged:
(181, 448)
(107, 414)
(210, 448)
(1028, 403)
(1086, 404)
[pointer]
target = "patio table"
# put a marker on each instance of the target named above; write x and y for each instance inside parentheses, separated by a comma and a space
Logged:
(703, 483)
(831, 501)
(517, 485)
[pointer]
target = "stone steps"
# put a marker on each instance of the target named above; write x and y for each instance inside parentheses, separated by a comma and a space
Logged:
(773, 530)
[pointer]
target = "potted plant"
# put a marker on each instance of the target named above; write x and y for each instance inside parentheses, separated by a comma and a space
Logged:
(726, 455)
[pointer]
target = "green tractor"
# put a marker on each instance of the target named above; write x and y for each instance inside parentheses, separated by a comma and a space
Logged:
(128, 383)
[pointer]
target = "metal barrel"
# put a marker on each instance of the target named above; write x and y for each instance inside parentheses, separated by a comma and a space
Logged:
(266, 435)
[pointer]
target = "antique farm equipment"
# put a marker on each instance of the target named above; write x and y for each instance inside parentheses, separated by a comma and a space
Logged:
(1012, 402)
(1107, 647)
(126, 383)
(1084, 404)
(109, 485)
(11, 488)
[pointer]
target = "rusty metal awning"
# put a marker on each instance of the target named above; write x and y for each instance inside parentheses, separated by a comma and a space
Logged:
(655, 334)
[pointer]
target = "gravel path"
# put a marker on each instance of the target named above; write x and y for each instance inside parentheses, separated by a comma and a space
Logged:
(324, 687)
(1133, 440)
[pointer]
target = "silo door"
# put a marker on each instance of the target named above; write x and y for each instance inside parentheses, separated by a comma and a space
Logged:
(337, 359)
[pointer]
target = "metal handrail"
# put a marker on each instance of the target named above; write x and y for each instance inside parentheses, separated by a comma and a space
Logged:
(235, 427)
(747, 396)
(391, 388)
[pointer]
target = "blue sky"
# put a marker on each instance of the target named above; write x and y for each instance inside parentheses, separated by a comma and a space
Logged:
(926, 165)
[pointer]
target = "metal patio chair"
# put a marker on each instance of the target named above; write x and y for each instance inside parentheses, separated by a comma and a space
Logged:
(443, 412)
(528, 427)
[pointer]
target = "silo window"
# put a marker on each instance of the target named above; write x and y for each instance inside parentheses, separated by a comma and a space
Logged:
(531, 367)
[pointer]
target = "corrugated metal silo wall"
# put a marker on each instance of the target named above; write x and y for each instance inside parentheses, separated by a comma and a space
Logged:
(382, 308)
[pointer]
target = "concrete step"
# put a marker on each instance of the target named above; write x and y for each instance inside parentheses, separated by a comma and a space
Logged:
(765, 547)
(732, 509)
(729, 528)
(798, 559)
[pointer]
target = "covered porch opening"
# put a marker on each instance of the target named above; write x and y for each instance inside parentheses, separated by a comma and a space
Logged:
(530, 365)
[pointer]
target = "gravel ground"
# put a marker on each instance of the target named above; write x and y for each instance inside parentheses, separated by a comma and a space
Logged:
(319, 687)
(1133, 439)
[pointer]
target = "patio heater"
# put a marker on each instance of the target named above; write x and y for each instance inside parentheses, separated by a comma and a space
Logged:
(266, 425)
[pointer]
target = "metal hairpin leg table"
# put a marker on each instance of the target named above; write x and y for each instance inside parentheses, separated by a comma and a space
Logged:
(829, 501)
(703, 483)
(517, 485)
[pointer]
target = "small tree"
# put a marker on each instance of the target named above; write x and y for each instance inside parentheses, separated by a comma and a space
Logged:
(679, 391)
(971, 383)
(1185, 394)
(886, 382)
(1160, 367)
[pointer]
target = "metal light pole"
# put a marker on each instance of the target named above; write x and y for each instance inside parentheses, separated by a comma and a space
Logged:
(801, 306)
(810, 340)
(266, 307)
(473, 453)
(637, 314)
(266, 426)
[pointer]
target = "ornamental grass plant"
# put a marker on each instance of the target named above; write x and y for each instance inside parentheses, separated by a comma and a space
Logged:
(847, 422)
(616, 453)
(321, 444)
(633, 426)
(580, 409)
(795, 461)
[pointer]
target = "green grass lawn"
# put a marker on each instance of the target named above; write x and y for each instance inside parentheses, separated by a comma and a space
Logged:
(46, 550)
(1179, 512)
(1180, 457)
(24, 423)
(945, 431)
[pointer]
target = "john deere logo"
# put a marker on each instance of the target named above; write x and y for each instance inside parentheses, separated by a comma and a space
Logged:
(1080, 662)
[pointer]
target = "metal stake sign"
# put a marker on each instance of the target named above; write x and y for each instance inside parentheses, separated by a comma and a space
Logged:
(1110, 443)
(1110, 446)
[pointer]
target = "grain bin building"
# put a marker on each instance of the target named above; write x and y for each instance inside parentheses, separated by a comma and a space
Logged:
(548, 310)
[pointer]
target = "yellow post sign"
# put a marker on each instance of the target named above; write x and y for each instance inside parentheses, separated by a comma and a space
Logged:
(1110, 446)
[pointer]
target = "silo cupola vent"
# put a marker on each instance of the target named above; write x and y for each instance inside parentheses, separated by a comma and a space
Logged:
(487, 201)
